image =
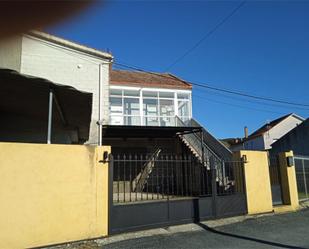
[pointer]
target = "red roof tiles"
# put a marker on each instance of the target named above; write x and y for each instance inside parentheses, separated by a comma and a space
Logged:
(147, 79)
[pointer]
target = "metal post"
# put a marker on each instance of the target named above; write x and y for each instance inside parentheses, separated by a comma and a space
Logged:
(213, 185)
(50, 116)
(100, 105)
(202, 148)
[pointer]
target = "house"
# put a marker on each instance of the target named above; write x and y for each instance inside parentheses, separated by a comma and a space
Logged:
(296, 140)
(265, 136)
(63, 62)
(152, 110)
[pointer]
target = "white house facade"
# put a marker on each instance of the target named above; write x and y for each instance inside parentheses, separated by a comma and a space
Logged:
(264, 137)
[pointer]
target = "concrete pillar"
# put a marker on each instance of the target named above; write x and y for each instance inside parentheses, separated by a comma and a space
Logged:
(103, 193)
(257, 181)
(288, 181)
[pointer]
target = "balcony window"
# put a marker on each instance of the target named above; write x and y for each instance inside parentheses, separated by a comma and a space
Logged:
(148, 107)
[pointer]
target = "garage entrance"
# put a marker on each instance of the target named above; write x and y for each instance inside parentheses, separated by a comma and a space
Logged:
(166, 189)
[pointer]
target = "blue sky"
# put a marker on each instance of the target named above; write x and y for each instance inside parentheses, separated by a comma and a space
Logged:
(263, 50)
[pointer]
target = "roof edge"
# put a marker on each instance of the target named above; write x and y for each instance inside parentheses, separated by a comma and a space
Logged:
(70, 44)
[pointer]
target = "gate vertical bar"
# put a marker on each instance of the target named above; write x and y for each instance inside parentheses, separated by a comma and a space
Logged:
(213, 186)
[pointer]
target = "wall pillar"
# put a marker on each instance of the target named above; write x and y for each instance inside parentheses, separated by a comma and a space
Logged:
(257, 181)
(288, 181)
(102, 190)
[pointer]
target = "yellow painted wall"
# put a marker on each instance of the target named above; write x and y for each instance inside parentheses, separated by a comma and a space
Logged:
(288, 181)
(51, 194)
(258, 189)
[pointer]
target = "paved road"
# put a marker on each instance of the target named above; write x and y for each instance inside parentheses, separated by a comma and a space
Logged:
(278, 231)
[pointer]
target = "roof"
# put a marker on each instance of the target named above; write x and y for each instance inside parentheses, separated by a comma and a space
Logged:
(147, 79)
(271, 124)
(70, 44)
(28, 96)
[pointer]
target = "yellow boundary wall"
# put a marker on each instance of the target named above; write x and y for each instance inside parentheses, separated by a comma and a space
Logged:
(52, 194)
(256, 172)
(289, 183)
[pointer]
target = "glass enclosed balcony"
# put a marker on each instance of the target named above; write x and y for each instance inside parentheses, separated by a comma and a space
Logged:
(148, 107)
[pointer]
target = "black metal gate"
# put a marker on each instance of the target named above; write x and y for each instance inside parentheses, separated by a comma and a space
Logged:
(275, 180)
(302, 176)
(161, 190)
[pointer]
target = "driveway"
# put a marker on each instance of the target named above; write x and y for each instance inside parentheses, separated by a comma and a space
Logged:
(273, 231)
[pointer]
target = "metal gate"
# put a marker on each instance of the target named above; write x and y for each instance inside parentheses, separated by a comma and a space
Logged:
(161, 190)
(275, 180)
(302, 176)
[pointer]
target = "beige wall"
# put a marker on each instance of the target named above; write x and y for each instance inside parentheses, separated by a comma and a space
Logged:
(258, 189)
(51, 194)
(10, 53)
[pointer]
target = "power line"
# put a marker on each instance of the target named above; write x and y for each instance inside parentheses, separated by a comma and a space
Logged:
(238, 106)
(233, 92)
(207, 35)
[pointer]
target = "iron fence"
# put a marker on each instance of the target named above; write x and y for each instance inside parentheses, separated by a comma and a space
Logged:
(163, 177)
(302, 176)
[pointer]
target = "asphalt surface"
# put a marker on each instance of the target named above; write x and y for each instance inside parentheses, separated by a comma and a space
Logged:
(277, 231)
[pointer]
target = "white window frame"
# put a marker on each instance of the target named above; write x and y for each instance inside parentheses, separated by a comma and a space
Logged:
(157, 90)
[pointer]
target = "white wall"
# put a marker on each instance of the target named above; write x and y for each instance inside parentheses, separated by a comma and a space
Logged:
(10, 53)
(68, 67)
(280, 130)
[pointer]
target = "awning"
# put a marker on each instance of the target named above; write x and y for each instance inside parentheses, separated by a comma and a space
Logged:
(29, 96)
(122, 131)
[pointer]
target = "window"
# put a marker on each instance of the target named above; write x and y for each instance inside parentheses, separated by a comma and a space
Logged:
(148, 107)
(131, 93)
(183, 108)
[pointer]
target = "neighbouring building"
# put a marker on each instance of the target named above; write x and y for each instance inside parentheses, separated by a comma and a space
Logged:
(265, 136)
(296, 140)
(64, 62)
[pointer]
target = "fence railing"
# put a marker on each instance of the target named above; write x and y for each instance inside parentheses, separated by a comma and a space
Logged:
(275, 180)
(162, 177)
(302, 176)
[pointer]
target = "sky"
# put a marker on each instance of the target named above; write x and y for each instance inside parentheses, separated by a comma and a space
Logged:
(263, 49)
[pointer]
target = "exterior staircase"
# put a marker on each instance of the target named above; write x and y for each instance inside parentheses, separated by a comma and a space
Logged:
(204, 146)
(140, 180)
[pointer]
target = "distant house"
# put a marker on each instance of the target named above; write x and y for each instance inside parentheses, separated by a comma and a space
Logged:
(296, 140)
(265, 136)
(63, 62)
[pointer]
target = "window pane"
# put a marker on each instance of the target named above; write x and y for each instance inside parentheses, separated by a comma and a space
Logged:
(150, 94)
(115, 92)
(116, 120)
(115, 105)
(166, 107)
(166, 95)
(151, 121)
(150, 107)
(131, 106)
(132, 93)
(183, 95)
(183, 108)
(132, 120)
(167, 121)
